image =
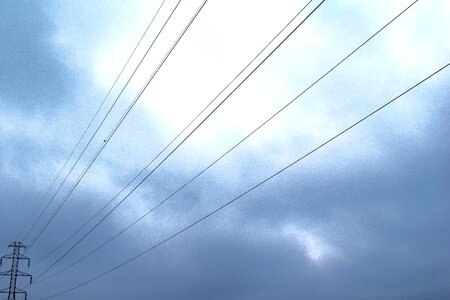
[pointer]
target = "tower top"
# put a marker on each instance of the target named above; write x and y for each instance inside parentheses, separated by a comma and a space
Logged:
(17, 245)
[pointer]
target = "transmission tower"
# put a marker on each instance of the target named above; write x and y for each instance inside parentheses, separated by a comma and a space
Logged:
(14, 271)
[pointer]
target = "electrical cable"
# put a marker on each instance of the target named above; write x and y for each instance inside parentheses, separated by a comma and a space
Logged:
(227, 152)
(249, 190)
(87, 128)
(127, 112)
(173, 140)
(41, 201)
(89, 125)
(98, 128)
(167, 156)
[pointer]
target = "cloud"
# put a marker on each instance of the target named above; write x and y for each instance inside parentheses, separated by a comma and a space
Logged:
(311, 243)
(35, 79)
(363, 218)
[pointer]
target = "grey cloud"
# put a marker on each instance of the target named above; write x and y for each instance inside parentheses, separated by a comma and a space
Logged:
(32, 77)
(385, 220)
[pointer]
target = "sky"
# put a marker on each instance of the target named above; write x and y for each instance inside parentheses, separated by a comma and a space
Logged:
(364, 217)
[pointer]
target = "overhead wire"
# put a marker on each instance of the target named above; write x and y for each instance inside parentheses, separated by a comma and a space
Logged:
(98, 128)
(130, 107)
(87, 128)
(228, 151)
(179, 144)
(213, 212)
(89, 125)
(41, 201)
(177, 136)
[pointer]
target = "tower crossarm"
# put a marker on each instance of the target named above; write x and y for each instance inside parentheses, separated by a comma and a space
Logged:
(20, 273)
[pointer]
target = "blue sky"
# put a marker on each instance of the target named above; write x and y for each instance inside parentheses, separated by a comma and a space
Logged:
(366, 217)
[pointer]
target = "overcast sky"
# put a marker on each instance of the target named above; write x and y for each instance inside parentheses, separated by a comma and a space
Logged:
(365, 217)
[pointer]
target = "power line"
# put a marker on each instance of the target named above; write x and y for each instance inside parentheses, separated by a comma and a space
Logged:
(91, 121)
(168, 155)
(132, 105)
(151, 77)
(228, 151)
(41, 201)
(251, 189)
(176, 137)
(87, 128)
(109, 137)
(104, 144)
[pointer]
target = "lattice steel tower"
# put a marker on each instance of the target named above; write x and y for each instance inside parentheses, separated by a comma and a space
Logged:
(14, 271)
